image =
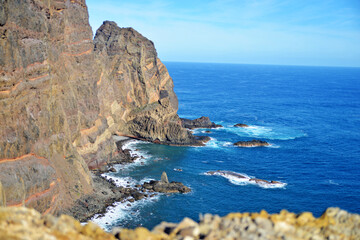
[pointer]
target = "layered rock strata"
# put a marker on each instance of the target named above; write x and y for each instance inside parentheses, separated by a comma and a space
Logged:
(23, 223)
(63, 96)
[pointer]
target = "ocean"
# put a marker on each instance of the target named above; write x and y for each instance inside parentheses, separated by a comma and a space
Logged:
(309, 115)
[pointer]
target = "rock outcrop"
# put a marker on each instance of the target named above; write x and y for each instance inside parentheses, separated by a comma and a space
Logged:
(23, 223)
(202, 122)
(135, 89)
(164, 186)
(252, 143)
(63, 95)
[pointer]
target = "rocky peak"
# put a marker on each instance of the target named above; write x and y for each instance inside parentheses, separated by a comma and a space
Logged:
(115, 40)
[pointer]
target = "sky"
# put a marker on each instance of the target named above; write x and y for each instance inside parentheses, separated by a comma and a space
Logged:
(279, 32)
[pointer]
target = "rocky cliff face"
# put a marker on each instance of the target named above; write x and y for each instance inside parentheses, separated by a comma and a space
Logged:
(63, 96)
(135, 89)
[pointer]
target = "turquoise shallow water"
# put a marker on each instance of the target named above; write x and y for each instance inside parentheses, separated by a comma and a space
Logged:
(310, 115)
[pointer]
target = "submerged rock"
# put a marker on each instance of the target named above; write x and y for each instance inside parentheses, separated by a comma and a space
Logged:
(252, 143)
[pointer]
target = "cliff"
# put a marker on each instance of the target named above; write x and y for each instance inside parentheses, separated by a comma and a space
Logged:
(63, 95)
(22, 223)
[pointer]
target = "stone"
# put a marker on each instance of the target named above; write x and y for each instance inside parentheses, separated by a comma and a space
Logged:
(23, 223)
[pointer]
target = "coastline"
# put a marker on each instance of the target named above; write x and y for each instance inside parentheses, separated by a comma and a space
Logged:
(107, 193)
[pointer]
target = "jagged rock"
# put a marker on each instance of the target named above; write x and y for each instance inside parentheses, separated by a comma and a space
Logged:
(252, 143)
(164, 178)
(241, 125)
(28, 224)
(202, 122)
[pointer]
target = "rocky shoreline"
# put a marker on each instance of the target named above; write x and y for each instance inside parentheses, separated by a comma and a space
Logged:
(107, 193)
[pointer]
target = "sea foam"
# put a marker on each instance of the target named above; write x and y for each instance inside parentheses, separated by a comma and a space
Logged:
(244, 179)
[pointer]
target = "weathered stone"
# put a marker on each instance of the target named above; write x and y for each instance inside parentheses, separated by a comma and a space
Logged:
(22, 223)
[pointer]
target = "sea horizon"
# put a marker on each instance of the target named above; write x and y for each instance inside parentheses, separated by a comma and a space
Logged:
(262, 64)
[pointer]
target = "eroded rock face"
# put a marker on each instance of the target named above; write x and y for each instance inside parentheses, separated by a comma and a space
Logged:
(63, 96)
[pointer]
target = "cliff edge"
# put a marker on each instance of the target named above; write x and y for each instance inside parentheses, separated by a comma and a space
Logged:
(63, 95)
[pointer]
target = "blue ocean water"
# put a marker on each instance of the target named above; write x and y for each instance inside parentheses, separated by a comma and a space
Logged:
(310, 115)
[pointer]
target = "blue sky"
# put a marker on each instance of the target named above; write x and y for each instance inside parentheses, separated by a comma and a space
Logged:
(294, 32)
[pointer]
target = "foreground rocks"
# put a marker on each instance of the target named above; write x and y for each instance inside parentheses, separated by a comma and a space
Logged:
(252, 143)
(23, 223)
(202, 122)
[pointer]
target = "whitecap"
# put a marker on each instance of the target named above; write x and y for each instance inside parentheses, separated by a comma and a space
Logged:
(332, 182)
(244, 179)
(266, 132)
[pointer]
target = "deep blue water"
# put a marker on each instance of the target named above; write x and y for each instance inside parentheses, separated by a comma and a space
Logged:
(310, 115)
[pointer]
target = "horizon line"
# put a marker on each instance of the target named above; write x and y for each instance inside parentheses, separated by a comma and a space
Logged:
(266, 64)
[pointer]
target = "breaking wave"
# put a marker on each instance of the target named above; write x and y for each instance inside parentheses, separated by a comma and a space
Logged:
(243, 179)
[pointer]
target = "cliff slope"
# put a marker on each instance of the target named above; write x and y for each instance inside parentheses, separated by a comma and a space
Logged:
(63, 96)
